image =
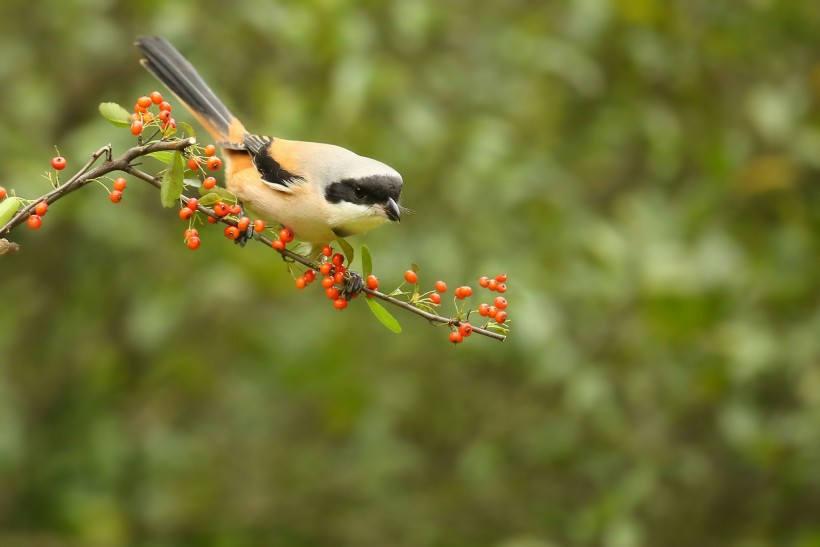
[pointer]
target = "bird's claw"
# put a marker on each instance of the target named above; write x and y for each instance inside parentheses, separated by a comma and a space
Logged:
(353, 285)
(248, 233)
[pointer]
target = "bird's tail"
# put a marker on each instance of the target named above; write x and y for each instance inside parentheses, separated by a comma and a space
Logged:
(172, 69)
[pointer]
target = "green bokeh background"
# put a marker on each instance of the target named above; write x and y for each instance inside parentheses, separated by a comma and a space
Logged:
(645, 171)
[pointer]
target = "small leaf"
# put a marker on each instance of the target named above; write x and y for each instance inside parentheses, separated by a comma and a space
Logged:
(8, 208)
(346, 249)
(210, 199)
(367, 261)
(188, 129)
(165, 156)
(384, 316)
(414, 267)
(194, 182)
(221, 192)
(115, 114)
(172, 181)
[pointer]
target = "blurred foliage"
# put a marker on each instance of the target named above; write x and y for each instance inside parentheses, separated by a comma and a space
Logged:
(646, 172)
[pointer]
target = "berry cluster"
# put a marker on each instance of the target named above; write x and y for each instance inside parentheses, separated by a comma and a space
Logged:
(143, 117)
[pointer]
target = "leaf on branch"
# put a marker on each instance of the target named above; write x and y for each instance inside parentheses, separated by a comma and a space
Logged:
(194, 182)
(188, 129)
(172, 181)
(384, 316)
(115, 114)
(8, 208)
(346, 249)
(220, 192)
(210, 199)
(367, 261)
(165, 156)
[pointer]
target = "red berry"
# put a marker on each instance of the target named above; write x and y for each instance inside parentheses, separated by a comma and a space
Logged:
(286, 235)
(193, 242)
(235, 209)
(327, 250)
(328, 282)
(119, 184)
(483, 310)
(338, 259)
(492, 311)
(210, 150)
(214, 163)
(221, 209)
(501, 278)
(58, 163)
(483, 281)
(139, 109)
(411, 276)
(500, 302)
(3, 193)
(310, 275)
(115, 196)
(144, 102)
(500, 317)
(231, 232)
(465, 329)
(278, 244)
(301, 282)
(492, 285)
(136, 127)
(325, 268)
(332, 292)
(193, 163)
(191, 232)
(41, 208)
(339, 277)
(441, 286)
(212, 220)
(501, 287)
(34, 222)
(466, 291)
(209, 183)
(435, 298)
(456, 337)
(185, 213)
(258, 225)
(156, 97)
(243, 224)
(164, 116)
(340, 303)
(372, 282)
(165, 106)
(192, 203)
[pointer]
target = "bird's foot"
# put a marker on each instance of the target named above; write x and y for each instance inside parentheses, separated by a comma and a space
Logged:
(353, 285)
(247, 233)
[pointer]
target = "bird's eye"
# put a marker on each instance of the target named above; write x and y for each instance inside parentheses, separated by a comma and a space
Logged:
(358, 191)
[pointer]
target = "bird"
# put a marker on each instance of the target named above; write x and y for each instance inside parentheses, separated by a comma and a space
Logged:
(322, 192)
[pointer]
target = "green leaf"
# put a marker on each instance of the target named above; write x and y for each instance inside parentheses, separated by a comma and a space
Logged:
(115, 114)
(172, 181)
(367, 261)
(194, 182)
(165, 156)
(346, 249)
(414, 267)
(221, 192)
(188, 129)
(8, 208)
(210, 199)
(384, 316)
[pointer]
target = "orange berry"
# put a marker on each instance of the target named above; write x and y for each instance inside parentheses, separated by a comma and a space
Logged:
(340, 303)
(500, 317)
(339, 277)
(338, 259)
(243, 224)
(221, 209)
(3, 193)
(258, 225)
(286, 235)
(144, 102)
(332, 292)
(500, 302)
(456, 337)
(310, 275)
(465, 329)
(501, 278)
(41, 208)
(435, 298)
(235, 209)
(372, 282)
(441, 286)
(212, 220)
(193, 163)
(327, 250)
(278, 244)
(209, 183)
(192, 203)
(210, 150)
(214, 163)
(483, 281)
(501, 287)
(483, 309)
(115, 196)
(466, 291)
(156, 97)
(119, 184)
(164, 116)
(301, 282)
(191, 232)
(34, 222)
(140, 109)
(492, 284)
(231, 232)
(58, 163)
(165, 106)
(193, 242)
(328, 282)
(185, 213)
(411, 276)
(492, 311)
(136, 127)
(325, 268)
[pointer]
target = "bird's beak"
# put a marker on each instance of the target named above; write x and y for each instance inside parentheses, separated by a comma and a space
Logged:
(392, 211)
